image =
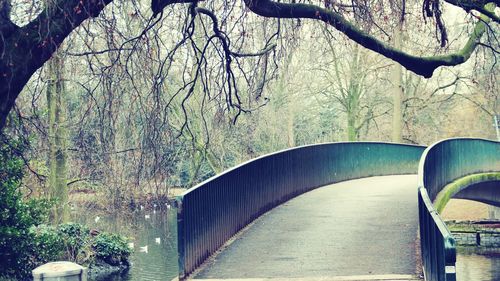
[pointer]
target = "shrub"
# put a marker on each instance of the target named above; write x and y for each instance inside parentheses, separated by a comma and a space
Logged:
(111, 248)
(17, 216)
(75, 238)
(47, 244)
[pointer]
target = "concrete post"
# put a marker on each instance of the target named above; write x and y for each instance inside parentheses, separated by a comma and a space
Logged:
(494, 213)
(60, 271)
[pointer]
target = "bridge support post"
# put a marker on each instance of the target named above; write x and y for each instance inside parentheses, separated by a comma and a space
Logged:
(494, 213)
(180, 239)
(450, 273)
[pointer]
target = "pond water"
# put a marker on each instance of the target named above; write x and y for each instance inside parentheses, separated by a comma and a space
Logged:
(474, 264)
(160, 260)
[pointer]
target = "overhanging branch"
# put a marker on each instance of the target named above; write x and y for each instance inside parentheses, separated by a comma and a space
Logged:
(424, 66)
(479, 6)
(157, 6)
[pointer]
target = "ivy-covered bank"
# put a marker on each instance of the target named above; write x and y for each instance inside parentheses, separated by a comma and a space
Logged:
(26, 238)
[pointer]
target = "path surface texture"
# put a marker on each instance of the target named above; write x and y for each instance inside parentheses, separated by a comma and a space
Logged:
(354, 228)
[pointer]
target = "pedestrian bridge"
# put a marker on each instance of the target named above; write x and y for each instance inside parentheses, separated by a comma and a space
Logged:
(337, 211)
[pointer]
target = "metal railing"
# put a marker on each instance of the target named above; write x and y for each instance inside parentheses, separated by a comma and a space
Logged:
(210, 213)
(436, 241)
(441, 164)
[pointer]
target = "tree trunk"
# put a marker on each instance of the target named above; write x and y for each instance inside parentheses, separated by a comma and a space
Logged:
(57, 139)
(354, 88)
(351, 126)
(290, 125)
(286, 106)
(397, 89)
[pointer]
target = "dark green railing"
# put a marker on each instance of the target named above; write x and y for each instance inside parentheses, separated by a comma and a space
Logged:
(441, 164)
(213, 211)
(436, 241)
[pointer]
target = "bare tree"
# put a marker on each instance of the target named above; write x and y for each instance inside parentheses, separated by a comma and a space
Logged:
(24, 49)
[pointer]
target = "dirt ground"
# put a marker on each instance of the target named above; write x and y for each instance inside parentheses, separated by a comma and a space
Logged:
(460, 209)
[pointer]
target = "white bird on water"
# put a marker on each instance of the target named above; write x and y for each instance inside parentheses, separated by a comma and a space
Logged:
(157, 240)
(146, 216)
(143, 249)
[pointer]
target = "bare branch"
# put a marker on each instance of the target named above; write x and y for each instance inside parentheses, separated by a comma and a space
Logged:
(424, 66)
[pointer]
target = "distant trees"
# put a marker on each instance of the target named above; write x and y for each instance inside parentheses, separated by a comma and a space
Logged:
(353, 79)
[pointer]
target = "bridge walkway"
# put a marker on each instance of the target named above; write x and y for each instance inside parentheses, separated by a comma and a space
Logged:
(365, 227)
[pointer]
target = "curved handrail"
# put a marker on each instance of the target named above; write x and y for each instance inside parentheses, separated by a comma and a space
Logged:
(450, 159)
(436, 242)
(442, 163)
(213, 211)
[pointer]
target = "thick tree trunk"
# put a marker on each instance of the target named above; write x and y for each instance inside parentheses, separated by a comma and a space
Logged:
(286, 103)
(351, 127)
(57, 138)
(23, 50)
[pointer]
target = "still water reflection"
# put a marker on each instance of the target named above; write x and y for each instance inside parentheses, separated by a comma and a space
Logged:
(143, 228)
(478, 265)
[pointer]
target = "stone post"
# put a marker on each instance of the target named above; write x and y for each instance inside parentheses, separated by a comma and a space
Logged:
(60, 271)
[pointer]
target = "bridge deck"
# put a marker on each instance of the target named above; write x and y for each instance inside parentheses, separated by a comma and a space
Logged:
(354, 228)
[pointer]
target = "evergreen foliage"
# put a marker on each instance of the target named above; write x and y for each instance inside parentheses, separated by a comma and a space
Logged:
(17, 216)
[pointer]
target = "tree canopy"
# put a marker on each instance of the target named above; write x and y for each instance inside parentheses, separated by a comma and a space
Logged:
(26, 44)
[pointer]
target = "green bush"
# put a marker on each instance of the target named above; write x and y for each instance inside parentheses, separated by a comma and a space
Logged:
(17, 216)
(73, 242)
(47, 244)
(75, 238)
(111, 248)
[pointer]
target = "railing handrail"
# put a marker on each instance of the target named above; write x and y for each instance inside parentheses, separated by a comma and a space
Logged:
(438, 249)
(450, 250)
(286, 150)
(430, 148)
(214, 210)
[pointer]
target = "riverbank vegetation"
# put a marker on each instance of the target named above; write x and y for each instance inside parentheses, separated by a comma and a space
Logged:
(26, 238)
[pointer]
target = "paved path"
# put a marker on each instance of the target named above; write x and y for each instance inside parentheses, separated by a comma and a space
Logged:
(354, 228)
(391, 277)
